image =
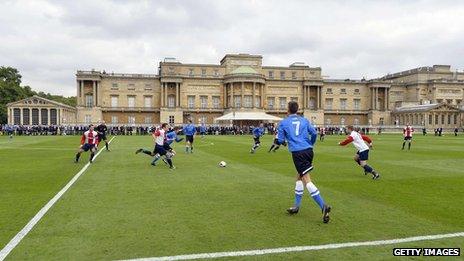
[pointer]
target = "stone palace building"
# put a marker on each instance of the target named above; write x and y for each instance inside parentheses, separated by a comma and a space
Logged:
(427, 96)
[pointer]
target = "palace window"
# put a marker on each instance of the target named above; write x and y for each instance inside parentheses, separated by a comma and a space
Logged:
(203, 72)
(53, 117)
(248, 101)
(203, 119)
(356, 121)
(147, 101)
(342, 121)
(88, 119)
(204, 102)
(17, 116)
(35, 116)
(294, 75)
(191, 72)
(131, 86)
(216, 72)
(257, 101)
(312, 103)
(44, 116)
(329, 91)
(270, 103)
(148, 120)
(88, 100)
(114, 85)
(442, 119)
(328, 103)
(381, 121)
(216, 102)
(430, 119)
(131, 101)
(449, 119)
(455, 119)
(114, 119)
(114, 101)
(282, 75)
(357, 104)
(356, 91)
(171, 119)
(271, 74)
(131, 119)
(238, 101)
(191, 102)
(436, 119)
(171, 101)
(282, 102)
(343, 91)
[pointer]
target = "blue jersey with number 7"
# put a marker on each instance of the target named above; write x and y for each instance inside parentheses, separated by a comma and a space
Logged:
(298, 132)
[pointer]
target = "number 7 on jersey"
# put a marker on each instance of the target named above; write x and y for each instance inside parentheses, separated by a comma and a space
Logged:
(297, 127)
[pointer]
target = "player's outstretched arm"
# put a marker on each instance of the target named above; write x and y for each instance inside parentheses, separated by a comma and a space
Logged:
(346, 141)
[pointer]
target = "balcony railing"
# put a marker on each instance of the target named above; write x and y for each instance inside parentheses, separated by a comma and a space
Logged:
(141, 109)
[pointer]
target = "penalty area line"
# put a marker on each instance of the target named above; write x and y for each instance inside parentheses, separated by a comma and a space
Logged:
(30, 225)
(299, 248)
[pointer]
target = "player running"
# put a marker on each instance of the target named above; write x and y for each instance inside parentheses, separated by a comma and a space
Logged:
(89, 141)
(257, 133)
(301, 136)
(189, 132)
(321, 134)
(361, 157)
(102, 129)
(202, 130)
(275, 146)
(159, 136)
(407, 134)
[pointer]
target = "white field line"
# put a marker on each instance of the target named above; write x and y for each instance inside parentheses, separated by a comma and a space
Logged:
(299, 248)
(30, 225)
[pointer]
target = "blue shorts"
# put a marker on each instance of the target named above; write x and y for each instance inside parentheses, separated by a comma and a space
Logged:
(87, 147)
(363, 155)
(303, 161)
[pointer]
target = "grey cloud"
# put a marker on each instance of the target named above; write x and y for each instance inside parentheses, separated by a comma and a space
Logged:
(49, 40)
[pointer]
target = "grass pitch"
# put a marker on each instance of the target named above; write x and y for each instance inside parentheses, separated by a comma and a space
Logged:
(124, 208)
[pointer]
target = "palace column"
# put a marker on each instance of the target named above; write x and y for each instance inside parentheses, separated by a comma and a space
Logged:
(161, 94)
(253, 99)
(81, 87)
(48, 118)
(40, 116)
(30, 116)
(177, 94)
(166, 87)
(242, 94)
(232, 95)
(94, 86)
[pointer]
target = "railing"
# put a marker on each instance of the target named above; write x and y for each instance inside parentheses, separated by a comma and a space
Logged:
(125, 75)
(147, 109)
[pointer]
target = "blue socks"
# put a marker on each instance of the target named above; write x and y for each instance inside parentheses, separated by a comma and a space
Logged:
(299, 190)
(315, 194)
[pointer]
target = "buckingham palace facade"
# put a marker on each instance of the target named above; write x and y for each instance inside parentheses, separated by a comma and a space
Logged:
(240, 82)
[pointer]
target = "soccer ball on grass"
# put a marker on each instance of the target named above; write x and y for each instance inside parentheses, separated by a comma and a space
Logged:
(222, 164)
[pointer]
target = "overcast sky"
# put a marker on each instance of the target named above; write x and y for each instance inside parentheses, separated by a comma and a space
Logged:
(49, 40)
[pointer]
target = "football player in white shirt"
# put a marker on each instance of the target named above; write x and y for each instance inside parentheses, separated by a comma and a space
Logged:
(159, 136)
(362, 155)
(89, 141)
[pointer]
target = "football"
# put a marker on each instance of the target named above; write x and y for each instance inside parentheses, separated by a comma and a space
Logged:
(222, 164)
